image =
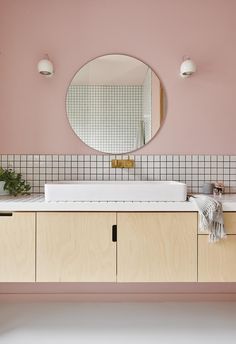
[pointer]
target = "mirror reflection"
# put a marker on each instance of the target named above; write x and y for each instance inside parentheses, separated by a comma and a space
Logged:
(115, 104)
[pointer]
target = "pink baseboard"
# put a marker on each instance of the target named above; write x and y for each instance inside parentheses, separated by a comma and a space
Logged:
(117, 288)
(112, 292)
(125, 297)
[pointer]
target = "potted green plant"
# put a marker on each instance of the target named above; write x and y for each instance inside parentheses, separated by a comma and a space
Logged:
(12, 183)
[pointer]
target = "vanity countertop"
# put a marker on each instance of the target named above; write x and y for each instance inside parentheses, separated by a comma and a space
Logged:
(36, 202)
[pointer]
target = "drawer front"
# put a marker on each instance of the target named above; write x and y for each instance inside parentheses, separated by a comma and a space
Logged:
(217, 262)
(229, 222)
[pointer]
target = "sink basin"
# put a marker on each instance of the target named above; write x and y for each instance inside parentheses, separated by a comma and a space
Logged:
(116, 191)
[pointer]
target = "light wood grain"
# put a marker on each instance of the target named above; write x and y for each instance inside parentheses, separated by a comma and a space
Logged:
(157, 247)
(217, 262)
(75, 247)
(17, 248)
(229, 223)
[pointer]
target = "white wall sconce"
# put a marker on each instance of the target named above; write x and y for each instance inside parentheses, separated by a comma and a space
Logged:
(45, 67)
(187, 68)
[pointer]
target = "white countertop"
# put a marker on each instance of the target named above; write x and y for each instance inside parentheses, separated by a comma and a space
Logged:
(37, 202)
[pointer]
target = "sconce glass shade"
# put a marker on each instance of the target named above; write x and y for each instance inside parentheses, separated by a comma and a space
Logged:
(187, 68)
(45, 67)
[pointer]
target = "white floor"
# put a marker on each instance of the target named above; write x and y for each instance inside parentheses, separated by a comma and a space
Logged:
(164, 323)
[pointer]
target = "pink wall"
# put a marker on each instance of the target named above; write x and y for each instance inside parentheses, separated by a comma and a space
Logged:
(201, 115)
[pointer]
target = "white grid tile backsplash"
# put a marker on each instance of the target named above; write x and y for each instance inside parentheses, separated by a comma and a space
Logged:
(194, 170)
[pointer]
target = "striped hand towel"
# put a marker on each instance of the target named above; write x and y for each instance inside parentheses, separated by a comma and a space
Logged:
(210, 216)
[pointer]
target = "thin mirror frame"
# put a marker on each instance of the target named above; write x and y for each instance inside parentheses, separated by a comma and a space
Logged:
(163, 105)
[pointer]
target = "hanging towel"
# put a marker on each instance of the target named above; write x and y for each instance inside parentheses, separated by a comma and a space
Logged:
(210, 217)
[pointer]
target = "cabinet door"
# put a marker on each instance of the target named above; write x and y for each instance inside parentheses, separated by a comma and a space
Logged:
(17, 247)
(157, 247)
(75, 247)
(216, 261)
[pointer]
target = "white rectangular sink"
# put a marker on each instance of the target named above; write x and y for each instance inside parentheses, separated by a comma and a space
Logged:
(115, 191)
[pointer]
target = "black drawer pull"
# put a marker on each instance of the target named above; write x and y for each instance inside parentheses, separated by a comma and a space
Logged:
(6, 214)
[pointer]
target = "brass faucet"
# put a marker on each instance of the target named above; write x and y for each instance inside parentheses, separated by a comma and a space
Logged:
(124, 163)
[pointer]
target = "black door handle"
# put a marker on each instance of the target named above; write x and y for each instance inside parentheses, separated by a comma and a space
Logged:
(114, 233)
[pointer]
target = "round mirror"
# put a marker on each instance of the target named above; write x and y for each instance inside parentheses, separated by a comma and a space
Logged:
(115, 104)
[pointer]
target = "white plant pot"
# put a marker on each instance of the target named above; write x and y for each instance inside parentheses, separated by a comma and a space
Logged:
(2, 191)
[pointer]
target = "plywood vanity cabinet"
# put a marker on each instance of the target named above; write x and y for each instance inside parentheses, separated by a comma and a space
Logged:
(79, 247)
(217, 262)
(17, 247)
(150, 247)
